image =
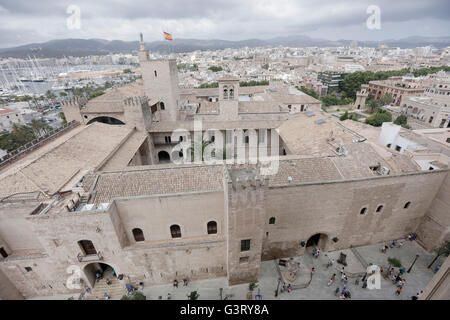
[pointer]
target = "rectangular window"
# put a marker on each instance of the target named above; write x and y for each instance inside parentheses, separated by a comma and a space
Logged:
(168, 139)
(245, 245)
(398, 148)
(243, 260)
(262, 135)
(28, 269)
(229, 136)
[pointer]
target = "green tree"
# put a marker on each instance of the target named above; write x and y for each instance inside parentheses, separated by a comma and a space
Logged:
(394, 262)
(63, 118)
(373, 105)
(193, 295)
(253, 83)
(330, 100)
(378, 118)
(215, 68)
(344, 116)
(442, 250)
(50, 95)
(209, 85)
(309, 92)
(199, 148)
(20, 136)
(137, 295)
(386, 99)
(401, 119)
(63, 94)
(265, 66)
(127, 70)
(252, 285)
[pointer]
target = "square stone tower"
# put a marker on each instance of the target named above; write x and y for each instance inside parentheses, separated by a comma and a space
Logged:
(245, 190)
(160, 83)
(229, 99)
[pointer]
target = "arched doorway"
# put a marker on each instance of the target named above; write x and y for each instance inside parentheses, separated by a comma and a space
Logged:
(107, 120)
(318, 240)
(163, 157)
(105, 270)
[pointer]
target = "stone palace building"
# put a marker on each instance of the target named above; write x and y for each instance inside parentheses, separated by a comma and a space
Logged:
(114, 190)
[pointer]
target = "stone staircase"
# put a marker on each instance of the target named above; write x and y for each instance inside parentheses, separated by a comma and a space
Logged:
(360, 258)
(115, 290)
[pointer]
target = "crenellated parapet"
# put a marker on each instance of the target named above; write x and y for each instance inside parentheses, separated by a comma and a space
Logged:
(244, 177)
(74, 102)
(136, 101)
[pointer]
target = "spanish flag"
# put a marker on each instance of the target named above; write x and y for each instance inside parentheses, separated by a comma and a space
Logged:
(167, 36)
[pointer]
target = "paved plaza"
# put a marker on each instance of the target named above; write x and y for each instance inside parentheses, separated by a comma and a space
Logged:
(317, 289)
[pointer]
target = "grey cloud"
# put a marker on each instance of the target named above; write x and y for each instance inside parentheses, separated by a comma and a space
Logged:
(233, 19)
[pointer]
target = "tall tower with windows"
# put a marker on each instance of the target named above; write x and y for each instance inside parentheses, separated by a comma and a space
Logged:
(160, 78)
(229, 98)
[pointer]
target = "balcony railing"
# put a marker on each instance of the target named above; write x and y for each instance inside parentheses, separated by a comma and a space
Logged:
(89, 257)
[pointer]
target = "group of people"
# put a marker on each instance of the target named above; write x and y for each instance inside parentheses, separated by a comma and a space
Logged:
(185, 283)
(316, 253)
(393, 244)
(285, 287)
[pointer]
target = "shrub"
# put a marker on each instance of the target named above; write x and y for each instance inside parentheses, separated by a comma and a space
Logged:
(394, 262)
(193, 295)
(344, 116)
(378, 118)
(252, 285)
(135, 296)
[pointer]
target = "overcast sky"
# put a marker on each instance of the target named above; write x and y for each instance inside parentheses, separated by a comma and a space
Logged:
(26, 21)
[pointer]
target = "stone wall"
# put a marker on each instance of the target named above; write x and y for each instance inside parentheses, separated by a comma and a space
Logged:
(334, 209)
(435, 226)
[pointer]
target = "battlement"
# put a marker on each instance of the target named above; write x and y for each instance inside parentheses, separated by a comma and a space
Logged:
(74, 102)
(244, 177)
(137, 100)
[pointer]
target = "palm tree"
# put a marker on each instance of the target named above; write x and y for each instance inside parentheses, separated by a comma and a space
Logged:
(199, 148)
(442, 250)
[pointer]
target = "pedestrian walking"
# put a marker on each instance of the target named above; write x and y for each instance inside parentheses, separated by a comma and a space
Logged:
(175, 283)
(364, 284)
(332, 279)
(336, 292)
(357, 282)
(399, 290)
(185, 282)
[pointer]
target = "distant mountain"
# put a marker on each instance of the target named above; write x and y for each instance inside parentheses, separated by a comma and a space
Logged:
(83, 47)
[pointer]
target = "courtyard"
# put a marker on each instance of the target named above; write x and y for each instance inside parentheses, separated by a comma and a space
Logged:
(306, 287)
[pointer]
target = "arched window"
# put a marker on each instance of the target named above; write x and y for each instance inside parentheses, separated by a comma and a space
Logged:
(379, 208)
(156, 74)
(225, 94)
(162, 106)
(212, 227)
(175, 231)
(407, 205)
(138, 235)
(87, 247)
(272, 220)
(232, 93)
(363, 210)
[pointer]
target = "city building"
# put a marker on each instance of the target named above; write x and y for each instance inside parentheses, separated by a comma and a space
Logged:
(116, 192)
(9, 118)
